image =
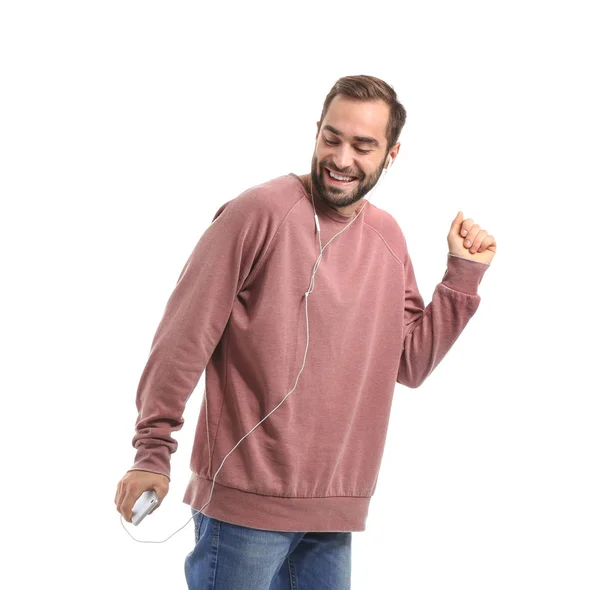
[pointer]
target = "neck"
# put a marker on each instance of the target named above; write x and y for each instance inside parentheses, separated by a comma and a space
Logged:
(348, 210)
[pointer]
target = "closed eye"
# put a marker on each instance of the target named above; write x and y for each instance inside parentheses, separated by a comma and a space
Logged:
(357, 149)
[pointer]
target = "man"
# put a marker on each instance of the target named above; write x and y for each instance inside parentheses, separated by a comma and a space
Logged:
(287, 453)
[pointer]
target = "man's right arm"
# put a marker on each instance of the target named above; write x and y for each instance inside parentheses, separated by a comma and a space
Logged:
(193, 322)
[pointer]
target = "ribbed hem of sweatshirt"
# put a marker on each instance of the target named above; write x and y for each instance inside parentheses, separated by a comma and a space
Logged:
(463, 274)
(154, 459)
(276, 513)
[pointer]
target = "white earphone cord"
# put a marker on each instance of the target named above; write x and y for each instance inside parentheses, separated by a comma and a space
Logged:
(310, 290)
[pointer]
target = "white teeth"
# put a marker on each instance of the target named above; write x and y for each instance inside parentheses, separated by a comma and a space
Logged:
(337, 177)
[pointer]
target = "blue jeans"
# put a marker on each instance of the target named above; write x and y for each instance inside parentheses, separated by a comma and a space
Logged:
(231, 557)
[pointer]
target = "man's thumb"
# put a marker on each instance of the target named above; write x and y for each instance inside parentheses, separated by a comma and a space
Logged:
(457, 221)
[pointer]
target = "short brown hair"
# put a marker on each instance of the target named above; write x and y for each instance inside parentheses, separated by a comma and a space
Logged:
(371, 88)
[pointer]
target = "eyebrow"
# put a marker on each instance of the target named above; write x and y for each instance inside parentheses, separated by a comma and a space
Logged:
(358, 138)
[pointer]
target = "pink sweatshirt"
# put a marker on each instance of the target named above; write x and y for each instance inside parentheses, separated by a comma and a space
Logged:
(238, 311)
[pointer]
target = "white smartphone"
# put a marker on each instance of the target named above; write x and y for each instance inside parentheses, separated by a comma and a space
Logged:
(145, 504)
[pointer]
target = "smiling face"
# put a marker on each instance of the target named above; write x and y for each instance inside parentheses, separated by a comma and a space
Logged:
(351, 142)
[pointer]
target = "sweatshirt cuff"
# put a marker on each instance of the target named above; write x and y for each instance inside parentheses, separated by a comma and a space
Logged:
(463, 274)
(155, 459)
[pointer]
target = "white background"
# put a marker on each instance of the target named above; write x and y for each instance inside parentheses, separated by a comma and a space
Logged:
(123, 128)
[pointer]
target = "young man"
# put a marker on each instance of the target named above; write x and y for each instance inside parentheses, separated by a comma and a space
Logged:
(301, 303)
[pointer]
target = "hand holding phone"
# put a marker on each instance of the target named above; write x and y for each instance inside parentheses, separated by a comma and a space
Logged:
(138, 485)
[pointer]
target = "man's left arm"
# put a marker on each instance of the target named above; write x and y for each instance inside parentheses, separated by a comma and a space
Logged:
(430, 332)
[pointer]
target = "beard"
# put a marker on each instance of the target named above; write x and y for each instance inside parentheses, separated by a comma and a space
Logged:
(338, 196)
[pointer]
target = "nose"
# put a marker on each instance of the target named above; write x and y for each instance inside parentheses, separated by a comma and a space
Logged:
(342, 158)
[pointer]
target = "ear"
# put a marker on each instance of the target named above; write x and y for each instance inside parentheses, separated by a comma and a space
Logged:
(318, 127)
(394, 151)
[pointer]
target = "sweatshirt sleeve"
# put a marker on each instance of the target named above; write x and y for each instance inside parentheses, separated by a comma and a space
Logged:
(193, 322)
(430, 332)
